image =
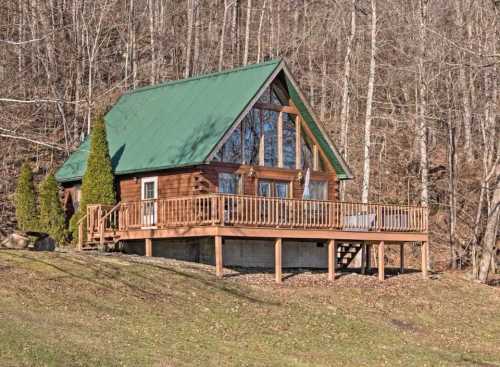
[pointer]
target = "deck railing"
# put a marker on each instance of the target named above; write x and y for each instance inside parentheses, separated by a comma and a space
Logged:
(255, 211)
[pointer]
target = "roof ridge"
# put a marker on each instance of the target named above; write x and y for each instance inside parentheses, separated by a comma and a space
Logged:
(203, 76)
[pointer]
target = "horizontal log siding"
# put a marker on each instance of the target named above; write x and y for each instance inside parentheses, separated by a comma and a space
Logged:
(204, 180)
(211, 172)
(171, 184)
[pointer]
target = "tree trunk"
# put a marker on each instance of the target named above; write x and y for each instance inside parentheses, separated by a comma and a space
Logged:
(152, 76)
(346, 94)
(190, 11)
(223, 35)
(259, 33)
(452, 203)
(491, 161)
(247, 32)
(322, 107)
(196, 53)
(369, 101)
(422, 105)
(490, 235)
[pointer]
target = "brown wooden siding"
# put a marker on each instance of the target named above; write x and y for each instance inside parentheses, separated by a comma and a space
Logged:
(204, 179)
(211, 171)
(171, 183)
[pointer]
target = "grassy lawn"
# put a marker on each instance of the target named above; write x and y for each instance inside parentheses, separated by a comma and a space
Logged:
(67, 309)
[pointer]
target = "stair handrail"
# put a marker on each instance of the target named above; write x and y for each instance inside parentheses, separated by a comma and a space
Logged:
(80, 231)
(108, 214)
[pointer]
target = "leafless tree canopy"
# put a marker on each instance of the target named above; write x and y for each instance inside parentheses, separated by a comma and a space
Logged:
(410, 97)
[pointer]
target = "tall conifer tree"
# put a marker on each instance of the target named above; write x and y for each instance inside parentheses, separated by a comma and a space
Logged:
(25, 200)
(98, 179)
(51, 212)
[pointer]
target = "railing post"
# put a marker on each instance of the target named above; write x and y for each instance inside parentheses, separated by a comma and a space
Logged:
(222, 218)
(80, 236)
(101, 235)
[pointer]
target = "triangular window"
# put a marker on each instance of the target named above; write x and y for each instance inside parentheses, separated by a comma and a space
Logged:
(267, 136)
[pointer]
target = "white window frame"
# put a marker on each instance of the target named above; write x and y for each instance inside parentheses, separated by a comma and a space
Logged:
(154, 219)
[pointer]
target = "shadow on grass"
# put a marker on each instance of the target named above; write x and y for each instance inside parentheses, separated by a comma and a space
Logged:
(216, 284)
(105, 271)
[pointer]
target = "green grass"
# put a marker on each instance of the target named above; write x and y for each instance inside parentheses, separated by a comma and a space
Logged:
(81, 310)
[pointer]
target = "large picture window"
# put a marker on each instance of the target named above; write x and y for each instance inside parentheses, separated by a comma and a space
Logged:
(289, 141)
(231, 151)
(251, 137)
(318, 190)
(307, 152)
(258, 140)
(270, 188)
(229, 183)
(269, 127)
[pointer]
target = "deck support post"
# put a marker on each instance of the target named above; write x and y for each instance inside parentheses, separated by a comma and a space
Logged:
(402, 258)
(148, 242)
(369, 258)
(218, 257)
(79, 246)
(101, 237)
(381, 262)
(425, 256)
(278, 260)
(363, 258)
(332, 259)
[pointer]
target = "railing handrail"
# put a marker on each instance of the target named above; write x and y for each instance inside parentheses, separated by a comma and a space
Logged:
(81, 219)
(275, 197)
(113, 209)
(320, 201)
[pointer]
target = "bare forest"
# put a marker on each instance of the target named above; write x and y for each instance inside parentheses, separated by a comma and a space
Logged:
(407, 90)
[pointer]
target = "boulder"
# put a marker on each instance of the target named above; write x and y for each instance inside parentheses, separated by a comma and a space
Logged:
(46, 243)
(42, 242)
(14, 240)
(38, 241)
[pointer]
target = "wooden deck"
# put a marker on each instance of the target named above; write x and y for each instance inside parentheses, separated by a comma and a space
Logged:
(220, 215)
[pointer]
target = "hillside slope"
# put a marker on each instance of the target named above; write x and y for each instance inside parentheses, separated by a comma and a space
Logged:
(60, 309)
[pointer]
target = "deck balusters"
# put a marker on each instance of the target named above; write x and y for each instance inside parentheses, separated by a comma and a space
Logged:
(224, 209)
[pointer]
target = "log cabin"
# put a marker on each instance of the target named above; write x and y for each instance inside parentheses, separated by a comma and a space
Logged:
(234, 169)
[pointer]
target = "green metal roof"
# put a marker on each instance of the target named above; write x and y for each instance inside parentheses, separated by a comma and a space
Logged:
(179, 123)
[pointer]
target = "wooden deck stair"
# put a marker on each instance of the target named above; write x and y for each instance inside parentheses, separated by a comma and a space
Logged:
(346, 252)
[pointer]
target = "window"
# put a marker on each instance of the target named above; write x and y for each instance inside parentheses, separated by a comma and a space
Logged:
(288, 141)
(270, 131)
(270, 188)
(270, 96)
(255, 140)
(231, 151)
(307, 153)
(281, 189)
(265, 188)
(149, 190)
(318, 190)
(229, 183)
(251, 137)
